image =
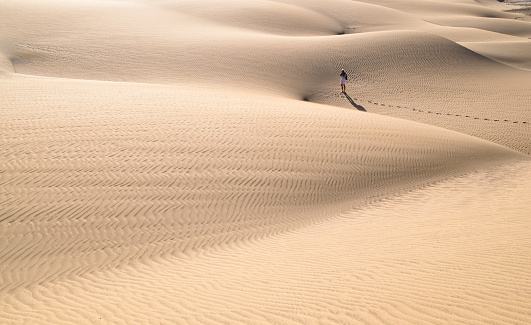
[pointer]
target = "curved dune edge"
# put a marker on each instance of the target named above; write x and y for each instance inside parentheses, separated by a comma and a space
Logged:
(511, 53)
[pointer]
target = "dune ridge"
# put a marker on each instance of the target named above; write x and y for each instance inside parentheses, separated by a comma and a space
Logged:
(200, 166)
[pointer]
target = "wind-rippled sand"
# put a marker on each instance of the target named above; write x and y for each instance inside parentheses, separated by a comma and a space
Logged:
(194, 162)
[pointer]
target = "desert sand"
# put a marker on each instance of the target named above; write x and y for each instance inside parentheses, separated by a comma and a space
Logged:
(194, 162)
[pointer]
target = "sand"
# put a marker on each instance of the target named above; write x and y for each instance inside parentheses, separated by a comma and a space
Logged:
(194, 162)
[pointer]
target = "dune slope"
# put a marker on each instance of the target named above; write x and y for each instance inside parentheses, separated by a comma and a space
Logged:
(438, 255)
(152, 173)
(168, 170)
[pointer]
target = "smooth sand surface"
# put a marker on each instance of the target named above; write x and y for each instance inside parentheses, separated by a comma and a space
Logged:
(194, 162)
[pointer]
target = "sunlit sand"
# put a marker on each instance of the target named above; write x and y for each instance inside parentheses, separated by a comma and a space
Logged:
(195, 162)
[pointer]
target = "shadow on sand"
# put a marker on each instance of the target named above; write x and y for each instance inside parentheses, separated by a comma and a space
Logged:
(359, 107)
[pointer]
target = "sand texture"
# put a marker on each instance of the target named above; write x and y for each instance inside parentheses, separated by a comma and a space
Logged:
(194, 162)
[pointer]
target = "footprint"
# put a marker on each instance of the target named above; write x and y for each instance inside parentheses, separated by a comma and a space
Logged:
(437, 113)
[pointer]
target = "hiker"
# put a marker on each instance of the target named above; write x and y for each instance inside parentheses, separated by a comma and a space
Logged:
(344, 78)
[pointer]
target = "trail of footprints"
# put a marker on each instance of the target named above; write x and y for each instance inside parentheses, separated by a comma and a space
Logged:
(448, 114)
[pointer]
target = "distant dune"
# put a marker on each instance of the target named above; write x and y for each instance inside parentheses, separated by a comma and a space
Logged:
(195, 162)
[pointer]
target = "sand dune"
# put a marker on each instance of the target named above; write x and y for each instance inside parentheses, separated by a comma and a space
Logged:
(194, 162)
(201, 163)
(510, 53)
(433, 256)
(410, 63)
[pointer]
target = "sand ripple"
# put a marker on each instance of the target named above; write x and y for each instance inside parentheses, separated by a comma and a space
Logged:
(193, 162)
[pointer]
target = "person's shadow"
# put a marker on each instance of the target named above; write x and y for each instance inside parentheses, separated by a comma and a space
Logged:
(359, 107)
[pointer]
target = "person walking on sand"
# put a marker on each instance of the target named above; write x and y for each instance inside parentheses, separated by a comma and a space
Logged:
(344, 78)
